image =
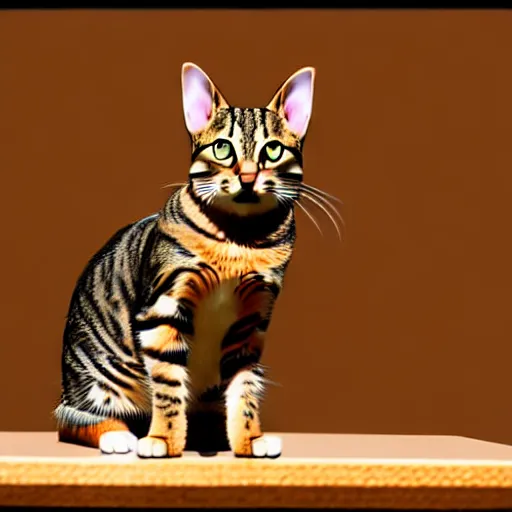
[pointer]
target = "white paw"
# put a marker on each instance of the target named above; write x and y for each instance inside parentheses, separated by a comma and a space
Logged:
(118, 442)
(267, 446)
(149, 447)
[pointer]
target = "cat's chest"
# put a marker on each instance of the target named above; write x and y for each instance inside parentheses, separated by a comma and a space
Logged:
(228, 259)
(214, 314)
(217, 309)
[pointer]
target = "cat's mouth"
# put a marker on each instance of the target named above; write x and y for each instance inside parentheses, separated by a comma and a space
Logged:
(246, 196)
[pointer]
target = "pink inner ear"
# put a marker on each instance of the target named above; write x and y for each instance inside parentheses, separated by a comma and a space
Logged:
(298, 103)
(197, 100)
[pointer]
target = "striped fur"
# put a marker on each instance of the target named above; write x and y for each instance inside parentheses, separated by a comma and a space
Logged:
(168, 320)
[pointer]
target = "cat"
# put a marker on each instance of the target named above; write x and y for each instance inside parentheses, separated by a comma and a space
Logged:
(169, 318)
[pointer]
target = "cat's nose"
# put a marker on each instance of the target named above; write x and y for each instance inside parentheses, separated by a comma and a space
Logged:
(248, 172)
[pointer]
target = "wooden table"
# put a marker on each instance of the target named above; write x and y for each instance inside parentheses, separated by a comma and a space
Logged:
(315, 471)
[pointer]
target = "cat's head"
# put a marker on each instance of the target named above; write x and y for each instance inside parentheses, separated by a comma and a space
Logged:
(246, 161)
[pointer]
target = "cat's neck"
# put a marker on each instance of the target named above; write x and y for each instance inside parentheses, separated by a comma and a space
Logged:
(253, 230)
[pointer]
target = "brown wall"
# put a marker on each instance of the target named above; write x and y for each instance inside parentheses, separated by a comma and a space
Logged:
(405, 327)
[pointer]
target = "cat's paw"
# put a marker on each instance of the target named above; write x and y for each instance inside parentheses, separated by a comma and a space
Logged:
(152, 447)
(157, 447)
(117, 442)
(265, 446)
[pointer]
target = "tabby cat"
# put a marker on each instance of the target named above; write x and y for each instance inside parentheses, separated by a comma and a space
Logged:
(169, 318)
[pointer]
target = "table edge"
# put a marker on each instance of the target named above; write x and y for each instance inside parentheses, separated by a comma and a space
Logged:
(239, 483)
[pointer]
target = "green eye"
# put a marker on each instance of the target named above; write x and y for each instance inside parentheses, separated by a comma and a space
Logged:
(222, 149)
(274, 151)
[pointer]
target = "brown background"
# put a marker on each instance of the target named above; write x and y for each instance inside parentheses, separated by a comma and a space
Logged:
(403, 328)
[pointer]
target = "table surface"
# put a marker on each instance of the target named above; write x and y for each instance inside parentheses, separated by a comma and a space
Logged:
(315, 471)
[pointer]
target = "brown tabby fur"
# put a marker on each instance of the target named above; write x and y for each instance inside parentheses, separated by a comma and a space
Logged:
(166, 325)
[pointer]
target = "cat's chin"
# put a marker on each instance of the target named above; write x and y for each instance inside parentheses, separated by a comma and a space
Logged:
(245, 204)
(247, 197)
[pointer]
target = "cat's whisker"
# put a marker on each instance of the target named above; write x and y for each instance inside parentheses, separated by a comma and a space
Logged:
(325, 210)
(169, 185)
(293, 195)
(313, 192)
(204, 189)
(281, 198)
(209, 196)
(284, 199)
(200, 182)
(312, 188)
(313, 220)
(306, 211)
(321, 192)
(329, 204)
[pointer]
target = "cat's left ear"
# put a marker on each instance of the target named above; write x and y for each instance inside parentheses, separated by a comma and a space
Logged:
(294, 100)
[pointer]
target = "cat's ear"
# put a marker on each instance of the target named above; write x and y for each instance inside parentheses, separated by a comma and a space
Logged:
(200, 97)
(294, 100)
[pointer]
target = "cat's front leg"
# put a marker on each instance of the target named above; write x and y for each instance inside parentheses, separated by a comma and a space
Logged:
(165, 352)
(242, 348)
(163, 329)
(245, 436)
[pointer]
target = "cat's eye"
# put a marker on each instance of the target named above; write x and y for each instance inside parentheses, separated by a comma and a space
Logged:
(222, 149)
(274, 151)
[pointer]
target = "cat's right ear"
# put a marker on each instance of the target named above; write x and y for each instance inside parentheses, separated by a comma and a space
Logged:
(200, 97)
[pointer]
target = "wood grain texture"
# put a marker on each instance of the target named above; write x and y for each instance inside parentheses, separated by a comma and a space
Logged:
(292, 481)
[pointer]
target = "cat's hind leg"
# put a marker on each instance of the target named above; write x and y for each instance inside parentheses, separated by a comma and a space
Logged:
(110, 435)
